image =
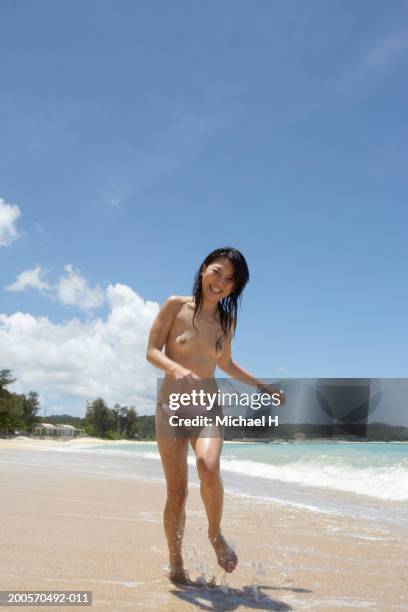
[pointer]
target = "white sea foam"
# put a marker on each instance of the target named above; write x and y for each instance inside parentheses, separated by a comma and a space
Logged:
(388, 483)
(348, 473)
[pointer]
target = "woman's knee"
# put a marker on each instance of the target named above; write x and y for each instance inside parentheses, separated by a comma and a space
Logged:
(208, 469)
(177, 496)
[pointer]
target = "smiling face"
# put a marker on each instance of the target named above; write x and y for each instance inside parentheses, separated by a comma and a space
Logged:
(218, 279)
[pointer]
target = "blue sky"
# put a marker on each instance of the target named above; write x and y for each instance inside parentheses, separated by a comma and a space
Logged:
(137, 137)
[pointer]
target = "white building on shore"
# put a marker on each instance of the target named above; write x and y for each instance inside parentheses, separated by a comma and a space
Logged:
(48, 430)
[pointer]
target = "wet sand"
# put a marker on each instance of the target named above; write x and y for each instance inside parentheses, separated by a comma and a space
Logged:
(80, 531)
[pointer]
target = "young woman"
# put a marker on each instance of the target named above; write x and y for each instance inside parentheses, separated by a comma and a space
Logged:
(196, 332)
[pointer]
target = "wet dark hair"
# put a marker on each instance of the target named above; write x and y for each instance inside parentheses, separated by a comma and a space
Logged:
(228, 306)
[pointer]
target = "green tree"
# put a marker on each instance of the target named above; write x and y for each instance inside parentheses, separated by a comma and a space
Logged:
(6, 378)
(115, 412)
(131, 425)
(122, 418)
(99, 418)
(31, 406)
(11, 406)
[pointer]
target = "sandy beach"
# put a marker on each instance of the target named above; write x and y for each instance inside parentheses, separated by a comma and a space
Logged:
(64, 530)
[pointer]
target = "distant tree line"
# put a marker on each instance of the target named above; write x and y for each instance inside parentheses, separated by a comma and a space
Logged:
(117, 423)
(17, 411)
(64, 419)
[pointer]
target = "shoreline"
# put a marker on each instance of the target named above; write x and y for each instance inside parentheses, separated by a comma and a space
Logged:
(33, 442)
(318, 490)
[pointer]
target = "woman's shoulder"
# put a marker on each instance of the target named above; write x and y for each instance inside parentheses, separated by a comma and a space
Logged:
(179, 299)
(176, 302)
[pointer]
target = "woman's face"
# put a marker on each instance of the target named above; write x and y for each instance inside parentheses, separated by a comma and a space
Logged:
(218, 279)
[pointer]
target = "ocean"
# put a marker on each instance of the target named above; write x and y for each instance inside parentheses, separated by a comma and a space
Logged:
(359, 479)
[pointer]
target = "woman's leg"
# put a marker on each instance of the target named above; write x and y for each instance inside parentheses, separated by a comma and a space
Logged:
(208, 452)
(173, 452)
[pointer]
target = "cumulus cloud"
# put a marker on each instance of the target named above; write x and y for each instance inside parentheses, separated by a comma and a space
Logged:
(9, 214)
(71, 362)
(30, 279)
(73, 289)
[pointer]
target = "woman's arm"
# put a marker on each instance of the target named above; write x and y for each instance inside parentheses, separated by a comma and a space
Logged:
(158, 336)
(227, 365)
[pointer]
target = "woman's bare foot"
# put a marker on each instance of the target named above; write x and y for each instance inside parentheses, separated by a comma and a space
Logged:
(177, 573)
(180, 576)
(226, 555)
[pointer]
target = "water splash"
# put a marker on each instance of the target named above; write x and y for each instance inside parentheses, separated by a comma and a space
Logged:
(200, 567)
(258, 572)
(224, 588)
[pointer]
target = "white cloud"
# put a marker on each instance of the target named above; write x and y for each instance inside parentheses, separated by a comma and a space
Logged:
(34, 279)
(377, 56)
(73, 289)
(9, 214)
(74, 361)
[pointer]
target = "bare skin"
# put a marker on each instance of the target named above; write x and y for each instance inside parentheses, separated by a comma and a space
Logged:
(189, 356)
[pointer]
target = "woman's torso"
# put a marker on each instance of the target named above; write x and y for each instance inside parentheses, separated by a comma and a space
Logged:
(193, 348)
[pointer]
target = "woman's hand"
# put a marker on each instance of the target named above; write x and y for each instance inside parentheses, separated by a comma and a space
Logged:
(182, 375)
